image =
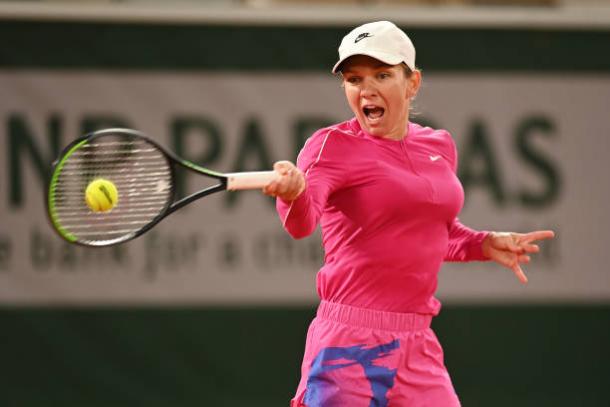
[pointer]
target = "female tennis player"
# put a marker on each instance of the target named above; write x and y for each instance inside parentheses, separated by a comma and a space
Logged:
(386, 194)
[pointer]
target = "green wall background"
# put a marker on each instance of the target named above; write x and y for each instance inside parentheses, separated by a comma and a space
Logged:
(526, 355)
(497, 355)
(111, 46)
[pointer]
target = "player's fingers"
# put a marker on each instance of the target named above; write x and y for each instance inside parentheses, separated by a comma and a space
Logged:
(537, 235)
(531, 248)
(286, 191)
(524, 259)
(282, 167)
(513, 247)
(519, 273)
(298, 180)
(270, 189)
(507, 241)
(504, 241)
(279, 187)
(279, 167)
(289, 185)
(507, 259)
(283, 186)
(511, 261)
(293, 174)
(289, 188)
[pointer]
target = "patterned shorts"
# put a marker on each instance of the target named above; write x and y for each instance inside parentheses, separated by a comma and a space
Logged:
(364, 358)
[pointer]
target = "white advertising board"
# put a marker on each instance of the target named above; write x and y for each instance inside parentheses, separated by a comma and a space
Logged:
(533, 154)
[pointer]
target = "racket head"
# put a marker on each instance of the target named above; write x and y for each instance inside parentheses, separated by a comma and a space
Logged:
(142, 172)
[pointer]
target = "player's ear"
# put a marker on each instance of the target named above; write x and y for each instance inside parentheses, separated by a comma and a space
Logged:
(413, 83)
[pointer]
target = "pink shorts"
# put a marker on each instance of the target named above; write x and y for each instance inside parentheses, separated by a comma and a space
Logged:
(362, 358)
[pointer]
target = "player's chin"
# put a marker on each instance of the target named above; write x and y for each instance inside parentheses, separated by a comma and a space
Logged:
(375, 129)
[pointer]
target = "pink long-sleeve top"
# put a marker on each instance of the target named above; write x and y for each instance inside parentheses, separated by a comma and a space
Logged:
(388, 213)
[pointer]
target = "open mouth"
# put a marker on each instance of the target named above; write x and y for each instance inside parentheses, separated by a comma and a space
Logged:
(373, 112)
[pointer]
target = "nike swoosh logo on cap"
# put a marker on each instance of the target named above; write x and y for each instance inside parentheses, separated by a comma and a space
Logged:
(362, 36)
(434, 157)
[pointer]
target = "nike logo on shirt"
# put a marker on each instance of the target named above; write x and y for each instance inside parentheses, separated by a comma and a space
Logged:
(434, 157)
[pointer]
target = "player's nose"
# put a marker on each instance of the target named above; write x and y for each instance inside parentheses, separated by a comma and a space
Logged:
(368, 88)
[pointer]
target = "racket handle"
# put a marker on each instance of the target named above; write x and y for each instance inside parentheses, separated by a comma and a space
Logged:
(250, 180)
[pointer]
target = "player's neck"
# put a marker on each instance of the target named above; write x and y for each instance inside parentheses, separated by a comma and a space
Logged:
(399, 131)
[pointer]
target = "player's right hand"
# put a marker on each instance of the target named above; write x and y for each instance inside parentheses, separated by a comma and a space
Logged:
(290, 183)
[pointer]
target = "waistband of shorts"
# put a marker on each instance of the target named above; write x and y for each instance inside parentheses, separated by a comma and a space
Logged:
(373, 319)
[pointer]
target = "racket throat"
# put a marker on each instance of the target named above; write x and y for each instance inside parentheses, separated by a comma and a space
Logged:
(197, 195)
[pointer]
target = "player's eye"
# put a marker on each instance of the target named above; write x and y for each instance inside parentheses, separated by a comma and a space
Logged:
(353, 80)
(383, 75)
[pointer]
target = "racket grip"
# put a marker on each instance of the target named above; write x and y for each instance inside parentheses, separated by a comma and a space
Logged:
(250, 180)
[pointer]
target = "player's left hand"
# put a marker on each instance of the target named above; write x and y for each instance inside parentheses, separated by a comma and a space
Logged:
(511, 249)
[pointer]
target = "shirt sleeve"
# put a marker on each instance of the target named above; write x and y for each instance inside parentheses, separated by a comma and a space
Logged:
(465, 244)
(323, 175)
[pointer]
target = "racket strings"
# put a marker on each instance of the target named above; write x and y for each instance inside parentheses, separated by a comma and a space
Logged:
(141, 174)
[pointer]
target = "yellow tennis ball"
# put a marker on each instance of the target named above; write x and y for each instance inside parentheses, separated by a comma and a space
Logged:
(101, 195)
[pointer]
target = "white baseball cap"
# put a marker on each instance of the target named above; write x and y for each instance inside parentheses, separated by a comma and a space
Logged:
(381, 40)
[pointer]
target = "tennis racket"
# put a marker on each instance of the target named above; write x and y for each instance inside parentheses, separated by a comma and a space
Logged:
(144, 176)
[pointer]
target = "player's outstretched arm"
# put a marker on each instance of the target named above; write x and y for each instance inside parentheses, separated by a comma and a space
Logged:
(512, 249)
